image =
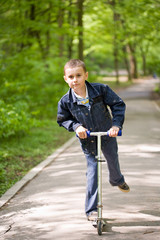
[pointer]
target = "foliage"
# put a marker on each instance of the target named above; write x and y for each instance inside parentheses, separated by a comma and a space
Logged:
(14, 119)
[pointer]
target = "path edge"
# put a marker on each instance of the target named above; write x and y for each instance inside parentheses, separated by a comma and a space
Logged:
(11, 192)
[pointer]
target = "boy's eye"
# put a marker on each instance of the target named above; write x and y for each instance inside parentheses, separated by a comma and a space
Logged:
(70, 77)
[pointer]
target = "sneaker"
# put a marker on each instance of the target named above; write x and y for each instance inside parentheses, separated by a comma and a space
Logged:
(124, 187)
(92, 216)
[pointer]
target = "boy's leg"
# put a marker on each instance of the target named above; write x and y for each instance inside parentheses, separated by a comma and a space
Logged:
(91, 188)
(110, 151)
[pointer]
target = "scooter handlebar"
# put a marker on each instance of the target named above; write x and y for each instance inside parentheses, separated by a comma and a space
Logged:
(105, 133)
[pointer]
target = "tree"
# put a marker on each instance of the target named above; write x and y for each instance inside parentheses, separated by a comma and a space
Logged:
(70, 35)
(80, 28)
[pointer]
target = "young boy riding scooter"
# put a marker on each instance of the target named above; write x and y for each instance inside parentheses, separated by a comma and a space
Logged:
(85, 107)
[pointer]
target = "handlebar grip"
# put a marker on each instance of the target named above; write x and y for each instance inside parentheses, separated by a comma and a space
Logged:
(88, 133)
(119, 133)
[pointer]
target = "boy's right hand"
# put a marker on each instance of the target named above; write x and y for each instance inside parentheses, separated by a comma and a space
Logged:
(81, 132)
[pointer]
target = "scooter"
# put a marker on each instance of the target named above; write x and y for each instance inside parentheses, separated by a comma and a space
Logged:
(100, 223)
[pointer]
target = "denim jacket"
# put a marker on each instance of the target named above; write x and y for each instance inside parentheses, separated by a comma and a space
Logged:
(72, 114)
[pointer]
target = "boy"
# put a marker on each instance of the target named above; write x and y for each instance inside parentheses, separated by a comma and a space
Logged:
(85, 107)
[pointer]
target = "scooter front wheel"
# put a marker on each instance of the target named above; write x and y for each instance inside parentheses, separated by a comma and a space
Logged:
(99, 227)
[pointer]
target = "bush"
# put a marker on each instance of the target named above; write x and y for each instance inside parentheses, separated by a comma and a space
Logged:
(40, 84)
(15, 118)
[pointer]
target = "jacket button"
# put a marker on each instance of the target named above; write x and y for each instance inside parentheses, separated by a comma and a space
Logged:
(92, 141)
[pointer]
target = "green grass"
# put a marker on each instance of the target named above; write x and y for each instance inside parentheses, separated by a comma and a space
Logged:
(21, 153)
(111, 82)
(157, 89)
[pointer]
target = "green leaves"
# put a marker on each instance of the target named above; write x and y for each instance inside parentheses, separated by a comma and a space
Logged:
(14, 119)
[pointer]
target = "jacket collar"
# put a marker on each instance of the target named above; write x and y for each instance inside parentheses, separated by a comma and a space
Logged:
(92, 93)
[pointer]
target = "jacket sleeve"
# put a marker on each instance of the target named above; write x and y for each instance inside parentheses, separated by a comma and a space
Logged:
(65, 118)
(116, 105)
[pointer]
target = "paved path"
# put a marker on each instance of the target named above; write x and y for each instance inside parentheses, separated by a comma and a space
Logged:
(51, 206)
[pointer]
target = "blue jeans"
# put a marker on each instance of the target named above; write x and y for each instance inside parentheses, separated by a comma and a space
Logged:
(110, 152)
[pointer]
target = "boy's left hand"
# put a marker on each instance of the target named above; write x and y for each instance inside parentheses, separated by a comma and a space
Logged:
(113, 132)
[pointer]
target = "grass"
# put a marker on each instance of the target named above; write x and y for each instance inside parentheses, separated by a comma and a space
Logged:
(111, 82)
(156, 94)
(21, 153)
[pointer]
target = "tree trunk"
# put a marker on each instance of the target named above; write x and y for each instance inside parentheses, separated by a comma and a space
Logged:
(126, 61)
(33, 33)
(70, 37)
(30, 32)
(133, 61)
(144, 64)
(80, 26)
(60, 24)
(143, 61)
(116, 62)
(116, 17)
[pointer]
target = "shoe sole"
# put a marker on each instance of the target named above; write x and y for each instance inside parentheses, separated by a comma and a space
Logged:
(123, 190)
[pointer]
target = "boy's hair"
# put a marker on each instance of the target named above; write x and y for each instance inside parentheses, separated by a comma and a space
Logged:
(74, 63)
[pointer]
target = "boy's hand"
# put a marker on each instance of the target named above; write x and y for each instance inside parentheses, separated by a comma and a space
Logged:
(113, 132)
(81, 132)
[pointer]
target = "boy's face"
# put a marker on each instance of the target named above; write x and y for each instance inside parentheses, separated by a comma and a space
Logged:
(75, 77)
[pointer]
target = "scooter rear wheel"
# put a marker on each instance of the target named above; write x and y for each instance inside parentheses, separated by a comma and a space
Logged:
(99, 227)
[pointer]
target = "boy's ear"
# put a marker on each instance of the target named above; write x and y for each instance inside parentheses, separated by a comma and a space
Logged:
(65, 79)
(86, 75)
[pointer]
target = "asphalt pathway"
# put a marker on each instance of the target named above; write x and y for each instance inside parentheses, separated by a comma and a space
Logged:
(51, 205)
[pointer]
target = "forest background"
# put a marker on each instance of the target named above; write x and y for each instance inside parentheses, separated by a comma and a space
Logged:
(36, 39)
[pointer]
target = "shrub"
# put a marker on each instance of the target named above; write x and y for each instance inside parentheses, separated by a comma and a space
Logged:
(14, 118)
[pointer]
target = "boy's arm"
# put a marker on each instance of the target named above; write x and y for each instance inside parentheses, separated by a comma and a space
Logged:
(65, 118)
(116, 105)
